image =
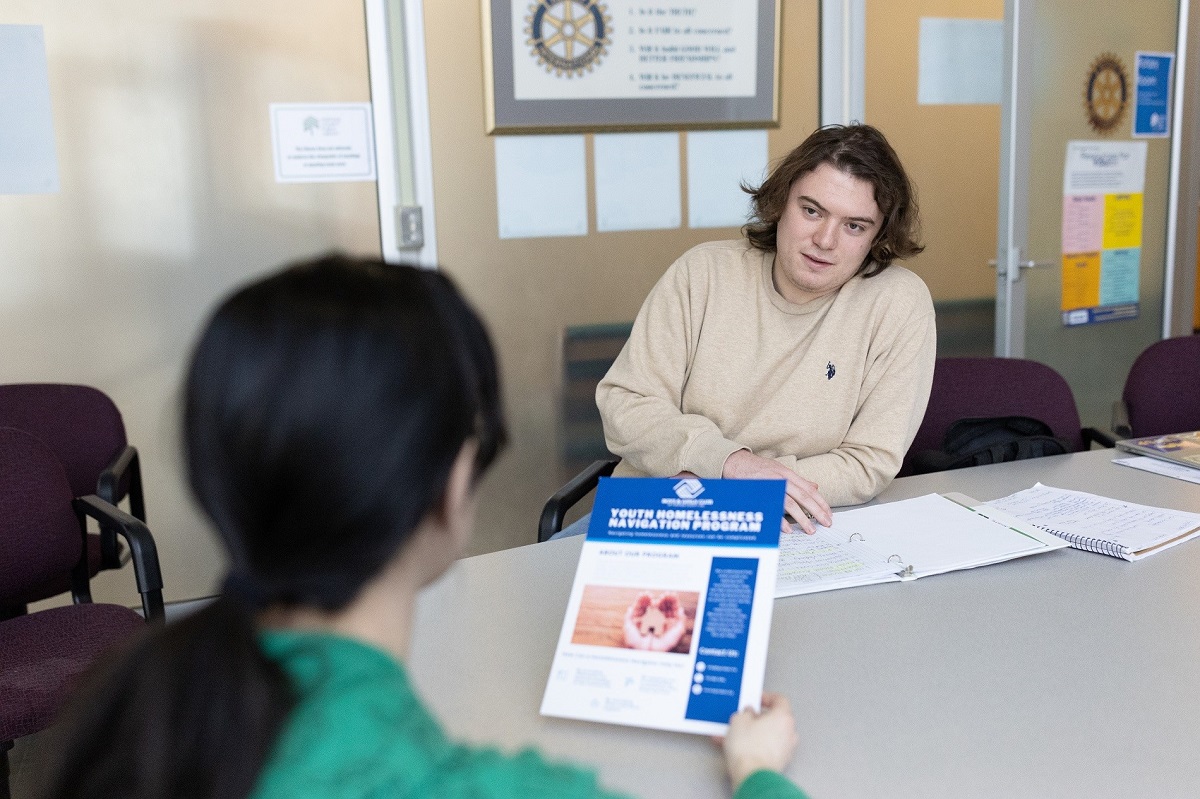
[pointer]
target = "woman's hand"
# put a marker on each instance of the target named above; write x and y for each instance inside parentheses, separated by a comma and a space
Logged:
(764, 740)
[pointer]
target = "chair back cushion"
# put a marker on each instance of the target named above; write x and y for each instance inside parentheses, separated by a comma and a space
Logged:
(1162, 391)
(79, 423)
(40, 536)
(972, 388)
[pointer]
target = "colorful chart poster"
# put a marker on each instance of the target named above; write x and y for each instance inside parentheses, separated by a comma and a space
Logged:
(1102, 230)
(1152, 95)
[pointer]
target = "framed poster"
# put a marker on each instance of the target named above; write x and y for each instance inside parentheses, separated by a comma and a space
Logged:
(560, 65)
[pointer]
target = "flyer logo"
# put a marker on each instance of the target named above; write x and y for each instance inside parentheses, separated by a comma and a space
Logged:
(688, 488)
(568, 37)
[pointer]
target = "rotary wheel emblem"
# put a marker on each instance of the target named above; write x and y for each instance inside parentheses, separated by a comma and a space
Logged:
(568, 37)
(1107, 93)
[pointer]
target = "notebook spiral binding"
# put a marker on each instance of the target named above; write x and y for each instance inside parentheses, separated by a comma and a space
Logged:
(1087, 543)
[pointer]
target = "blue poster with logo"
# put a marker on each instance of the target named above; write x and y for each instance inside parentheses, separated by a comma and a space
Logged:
(1152, 95)
(688, 511)
(669, 616)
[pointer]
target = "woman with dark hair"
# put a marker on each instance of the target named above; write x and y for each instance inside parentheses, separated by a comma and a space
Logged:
(338, 415)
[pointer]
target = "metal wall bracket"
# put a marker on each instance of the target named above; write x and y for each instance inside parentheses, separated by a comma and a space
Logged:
(410, 227)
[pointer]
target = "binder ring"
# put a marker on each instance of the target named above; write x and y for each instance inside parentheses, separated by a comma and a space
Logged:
(895, 559)
(860, 537)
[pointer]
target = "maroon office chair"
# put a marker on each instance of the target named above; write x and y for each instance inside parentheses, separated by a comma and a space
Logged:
(1162, 391)
(966, 388)
(42, 530)
(85, 430)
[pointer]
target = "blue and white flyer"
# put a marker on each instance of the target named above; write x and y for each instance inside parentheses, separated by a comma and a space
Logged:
(670, 614)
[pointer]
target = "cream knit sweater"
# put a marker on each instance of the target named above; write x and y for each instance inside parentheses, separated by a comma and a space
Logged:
(718, 361)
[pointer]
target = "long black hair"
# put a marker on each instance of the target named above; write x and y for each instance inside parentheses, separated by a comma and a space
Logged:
(325, 406)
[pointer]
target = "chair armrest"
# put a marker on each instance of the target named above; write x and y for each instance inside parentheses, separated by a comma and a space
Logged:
(1092, 435)
(126, 470)
(146, 569)
(1120, 420)
(576, 489)
(108, 487)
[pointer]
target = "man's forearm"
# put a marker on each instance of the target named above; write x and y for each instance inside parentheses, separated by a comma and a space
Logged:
(657, 439)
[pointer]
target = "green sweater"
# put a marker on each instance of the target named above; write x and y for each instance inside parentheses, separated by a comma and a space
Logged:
(358, 730)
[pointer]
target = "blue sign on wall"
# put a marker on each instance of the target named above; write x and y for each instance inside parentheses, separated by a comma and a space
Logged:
(1152, 95)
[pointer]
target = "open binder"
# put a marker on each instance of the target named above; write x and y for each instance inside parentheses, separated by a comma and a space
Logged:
(902, 541)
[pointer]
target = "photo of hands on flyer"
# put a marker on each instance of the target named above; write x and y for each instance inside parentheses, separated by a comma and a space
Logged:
(669, 617)
(636, 619)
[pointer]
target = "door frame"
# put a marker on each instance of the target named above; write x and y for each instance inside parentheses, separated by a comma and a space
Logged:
(403, 143)
(843, 61)
(1179, 306)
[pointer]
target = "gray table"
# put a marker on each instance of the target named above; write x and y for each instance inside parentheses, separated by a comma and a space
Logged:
(1061, 675)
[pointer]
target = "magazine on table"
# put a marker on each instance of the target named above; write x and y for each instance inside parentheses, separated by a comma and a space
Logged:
(1179, 448)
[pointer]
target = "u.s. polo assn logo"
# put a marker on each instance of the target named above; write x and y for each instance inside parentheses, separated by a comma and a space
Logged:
(688, 488)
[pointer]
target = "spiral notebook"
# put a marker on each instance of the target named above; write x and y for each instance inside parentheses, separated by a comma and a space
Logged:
(1100, 524)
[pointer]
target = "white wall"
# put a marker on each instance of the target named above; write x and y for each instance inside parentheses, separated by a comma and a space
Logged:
(167, 200)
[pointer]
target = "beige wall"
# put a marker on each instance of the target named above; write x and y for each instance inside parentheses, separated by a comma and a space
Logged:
(167, 199)
(530, 289)
(952, 152)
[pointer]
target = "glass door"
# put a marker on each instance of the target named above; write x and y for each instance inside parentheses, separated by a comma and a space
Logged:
(1086, 296)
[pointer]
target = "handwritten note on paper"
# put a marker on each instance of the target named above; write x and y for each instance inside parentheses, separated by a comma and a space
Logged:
(811, 562)
(903, 540)
(1077, 513)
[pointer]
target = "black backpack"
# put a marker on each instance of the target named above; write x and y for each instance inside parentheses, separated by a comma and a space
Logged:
(998, 439)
